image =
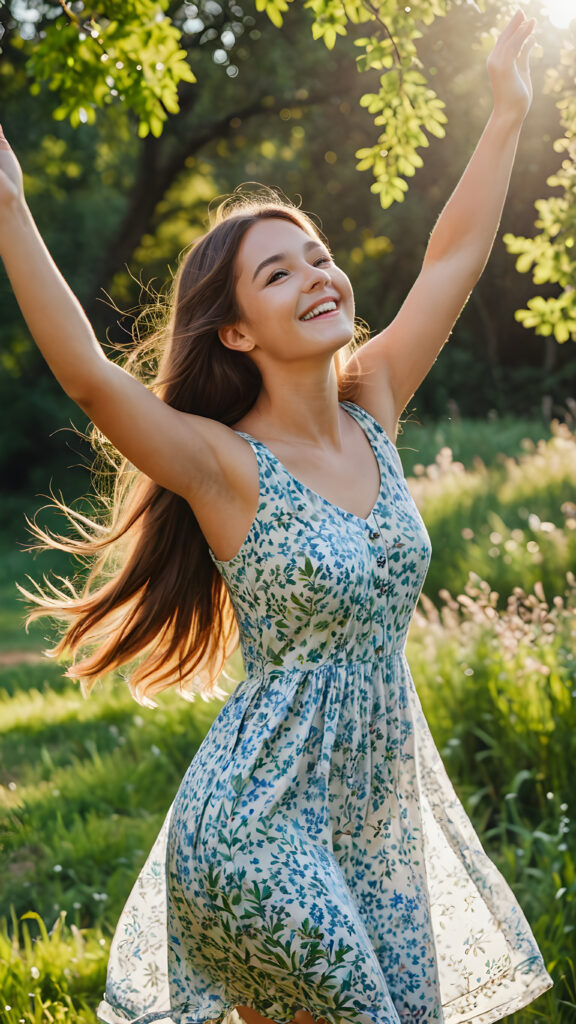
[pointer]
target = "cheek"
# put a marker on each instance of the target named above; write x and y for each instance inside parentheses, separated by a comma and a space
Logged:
(347, 292)
(280, 305)
(344, 285)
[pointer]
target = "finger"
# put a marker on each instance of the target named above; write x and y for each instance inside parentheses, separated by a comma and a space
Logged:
(4, 144)
(523, 60)
(512, 46)
(512, 25)
(526, 39)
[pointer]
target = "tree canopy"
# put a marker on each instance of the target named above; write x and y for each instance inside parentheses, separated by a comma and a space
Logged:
(118, 196)
(143, 54)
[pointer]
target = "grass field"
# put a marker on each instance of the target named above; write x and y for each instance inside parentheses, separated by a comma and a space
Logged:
(84, 785)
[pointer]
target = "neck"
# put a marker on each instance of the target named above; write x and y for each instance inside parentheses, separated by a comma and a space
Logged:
(293, 410)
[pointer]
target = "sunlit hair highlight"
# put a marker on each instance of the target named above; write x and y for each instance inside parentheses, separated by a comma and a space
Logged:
(153, 598)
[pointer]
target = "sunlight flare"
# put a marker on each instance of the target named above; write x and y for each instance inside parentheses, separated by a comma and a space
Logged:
(560, 12)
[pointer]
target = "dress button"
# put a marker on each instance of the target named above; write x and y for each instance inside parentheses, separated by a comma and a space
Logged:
(378, 650)
(373, 534)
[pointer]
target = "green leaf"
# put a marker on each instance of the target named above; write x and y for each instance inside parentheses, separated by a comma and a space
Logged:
(550, 252)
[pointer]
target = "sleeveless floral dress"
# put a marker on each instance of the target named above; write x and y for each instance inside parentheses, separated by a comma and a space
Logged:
(316, 856)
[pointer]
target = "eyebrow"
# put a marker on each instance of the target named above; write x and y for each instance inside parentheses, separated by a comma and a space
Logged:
(279, 257)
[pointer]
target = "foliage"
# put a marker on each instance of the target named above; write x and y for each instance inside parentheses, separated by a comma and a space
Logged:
(404, 103)
(90, 61)
(96, 777)
(513, 523)
(552, 252)
(84, 785)
(54, 976)
(115, 209)
(470, 442)
(498, 690)
(92, 55)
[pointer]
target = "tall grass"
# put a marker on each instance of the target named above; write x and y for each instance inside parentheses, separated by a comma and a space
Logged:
(54, 977)
(513, 522)
(84, 785)
(499, 689)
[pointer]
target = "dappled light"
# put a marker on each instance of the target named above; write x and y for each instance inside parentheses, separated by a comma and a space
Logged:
(493, 651)
(125, 127)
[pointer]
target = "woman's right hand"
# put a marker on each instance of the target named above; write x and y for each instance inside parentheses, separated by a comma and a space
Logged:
(11, 183)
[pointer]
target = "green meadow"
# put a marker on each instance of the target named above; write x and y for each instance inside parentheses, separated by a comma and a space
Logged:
(85, 784)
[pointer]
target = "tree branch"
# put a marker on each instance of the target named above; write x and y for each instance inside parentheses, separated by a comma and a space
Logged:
(154, 178)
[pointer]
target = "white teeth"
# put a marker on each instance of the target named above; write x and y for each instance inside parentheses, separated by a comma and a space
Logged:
(324, 307)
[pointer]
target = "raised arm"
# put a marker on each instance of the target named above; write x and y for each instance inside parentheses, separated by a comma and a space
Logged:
(174, 449)
(399, 358)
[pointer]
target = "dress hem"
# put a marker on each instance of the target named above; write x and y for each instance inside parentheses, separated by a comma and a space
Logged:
(511, 1006)
(229, 1014)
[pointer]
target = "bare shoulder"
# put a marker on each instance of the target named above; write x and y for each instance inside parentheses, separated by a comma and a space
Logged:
(372, 390)
(225, 488)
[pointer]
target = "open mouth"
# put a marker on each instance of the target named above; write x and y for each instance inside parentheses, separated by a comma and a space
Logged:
(323, 309)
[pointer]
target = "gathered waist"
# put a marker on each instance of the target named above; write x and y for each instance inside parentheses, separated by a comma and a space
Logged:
(261, 671)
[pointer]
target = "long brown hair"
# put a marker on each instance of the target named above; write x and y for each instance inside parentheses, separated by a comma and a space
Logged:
(153, 595)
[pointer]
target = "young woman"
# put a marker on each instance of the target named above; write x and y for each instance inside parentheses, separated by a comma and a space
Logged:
(316, 864)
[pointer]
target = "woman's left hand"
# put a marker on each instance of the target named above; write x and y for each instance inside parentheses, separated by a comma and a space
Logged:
(509, 69)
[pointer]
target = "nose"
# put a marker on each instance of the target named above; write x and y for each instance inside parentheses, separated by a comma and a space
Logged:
(317, 276)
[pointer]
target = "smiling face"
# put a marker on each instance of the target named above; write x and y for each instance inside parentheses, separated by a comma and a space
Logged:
(295, 302)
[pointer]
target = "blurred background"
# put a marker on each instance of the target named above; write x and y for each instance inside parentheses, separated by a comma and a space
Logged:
(119, 174)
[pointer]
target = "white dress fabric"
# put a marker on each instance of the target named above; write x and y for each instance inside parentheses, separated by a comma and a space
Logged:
(316, 856)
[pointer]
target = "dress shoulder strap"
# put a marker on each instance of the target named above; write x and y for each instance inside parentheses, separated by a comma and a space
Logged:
(376, 433)
(276, 499)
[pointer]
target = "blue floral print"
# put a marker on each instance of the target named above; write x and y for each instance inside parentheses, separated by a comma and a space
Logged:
(316, 856)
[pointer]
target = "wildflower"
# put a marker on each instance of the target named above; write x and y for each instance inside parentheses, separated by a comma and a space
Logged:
(35, 973)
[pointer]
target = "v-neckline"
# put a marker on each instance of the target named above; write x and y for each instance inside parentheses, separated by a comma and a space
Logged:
(316, 494)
